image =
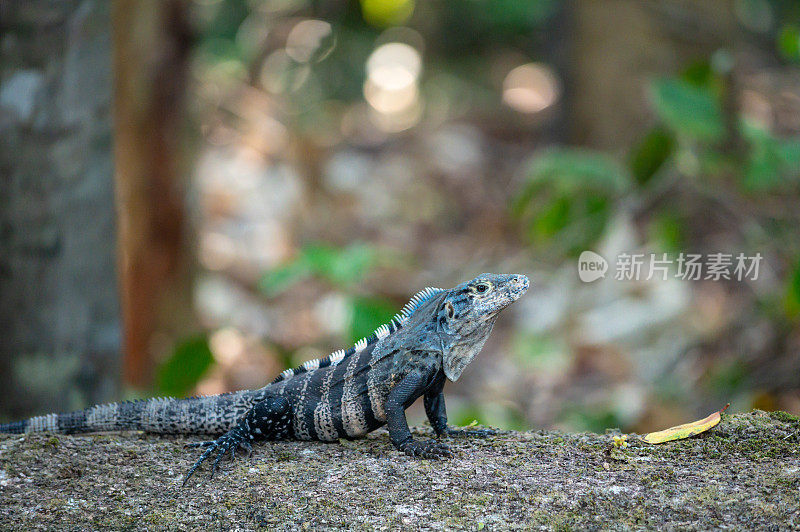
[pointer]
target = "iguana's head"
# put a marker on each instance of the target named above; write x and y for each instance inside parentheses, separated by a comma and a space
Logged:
(467, 313)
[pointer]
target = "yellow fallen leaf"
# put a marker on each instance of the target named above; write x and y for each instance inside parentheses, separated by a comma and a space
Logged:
(684, 431)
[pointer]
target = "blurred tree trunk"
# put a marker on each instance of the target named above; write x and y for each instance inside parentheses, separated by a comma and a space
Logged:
(151, 49)
(616, 47)
(59, 312)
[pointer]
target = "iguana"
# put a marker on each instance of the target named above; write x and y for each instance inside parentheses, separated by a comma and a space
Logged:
(344, 395)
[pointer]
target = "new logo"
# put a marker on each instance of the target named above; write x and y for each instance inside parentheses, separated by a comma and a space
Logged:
(591, 266)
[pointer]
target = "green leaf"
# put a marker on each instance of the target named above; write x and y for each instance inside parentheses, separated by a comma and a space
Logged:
(771, 162)
(179, 373)
(339, 266)
(319, 257)
(699, 74)
(522, 201)
(762, 171)
(277, 280)
(369, 313)
(726, 377)
(351, 264)
(788, 152)
(793, 296)
(568, 198)
(687, 109)
(789, 42)
(551, 220)
(571, 169)
(667, 228)
(650, 154)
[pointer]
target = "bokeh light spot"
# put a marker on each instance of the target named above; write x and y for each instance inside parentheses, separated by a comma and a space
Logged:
(310, 40)
(391, 88)
(397, 58)
(531, 88)
(226, 345)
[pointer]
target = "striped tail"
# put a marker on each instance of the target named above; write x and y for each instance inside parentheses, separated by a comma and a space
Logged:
(17, 427)
(213, 414)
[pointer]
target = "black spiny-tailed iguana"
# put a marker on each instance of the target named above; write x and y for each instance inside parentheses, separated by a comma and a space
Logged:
(345, 395)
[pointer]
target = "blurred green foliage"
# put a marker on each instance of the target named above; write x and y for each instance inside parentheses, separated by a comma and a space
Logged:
(506, 417)
(789, 42)
(568, 197)
(668, 230)
(543, 355)
(184, 368)
(725, 378)
(342, 268)
(772, 163)
(566, 202)
(792, 298)
(368, 313)
(650, 154)
(339, 266)
(595, 418)
(687, 110)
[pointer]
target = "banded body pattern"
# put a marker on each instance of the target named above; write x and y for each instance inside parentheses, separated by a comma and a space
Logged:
(397, 321)
(332, 394)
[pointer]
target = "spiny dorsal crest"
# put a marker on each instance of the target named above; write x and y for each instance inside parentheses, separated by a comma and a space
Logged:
(383, 331)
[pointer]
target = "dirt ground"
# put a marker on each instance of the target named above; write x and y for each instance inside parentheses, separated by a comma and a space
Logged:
(744, 473)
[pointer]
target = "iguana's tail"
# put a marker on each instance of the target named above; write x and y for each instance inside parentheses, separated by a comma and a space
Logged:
(212, 414)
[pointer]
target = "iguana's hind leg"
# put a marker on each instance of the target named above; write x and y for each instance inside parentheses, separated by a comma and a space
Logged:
(270, 419)
(437, 415)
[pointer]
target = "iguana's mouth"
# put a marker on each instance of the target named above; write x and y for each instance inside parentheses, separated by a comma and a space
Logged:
(519, 285)
(513, 287)
(516, 287)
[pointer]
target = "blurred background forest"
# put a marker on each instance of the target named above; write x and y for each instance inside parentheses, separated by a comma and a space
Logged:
(199, 194)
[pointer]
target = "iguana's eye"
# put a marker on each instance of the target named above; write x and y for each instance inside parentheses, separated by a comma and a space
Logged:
(482, 288)
(451, 312)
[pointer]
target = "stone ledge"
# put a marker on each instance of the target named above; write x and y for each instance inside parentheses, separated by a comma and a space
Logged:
(744, 473)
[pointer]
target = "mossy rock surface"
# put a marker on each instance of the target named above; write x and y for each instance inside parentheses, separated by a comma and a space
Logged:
(744, 474)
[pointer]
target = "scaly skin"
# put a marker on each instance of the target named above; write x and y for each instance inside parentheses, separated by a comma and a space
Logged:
(344, 395)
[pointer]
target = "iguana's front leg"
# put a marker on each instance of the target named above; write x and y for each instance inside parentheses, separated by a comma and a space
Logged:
(402, 395)
(437, 415)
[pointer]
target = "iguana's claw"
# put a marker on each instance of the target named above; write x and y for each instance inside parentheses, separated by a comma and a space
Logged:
(425, 449)
(461, 433)
(229, 441)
